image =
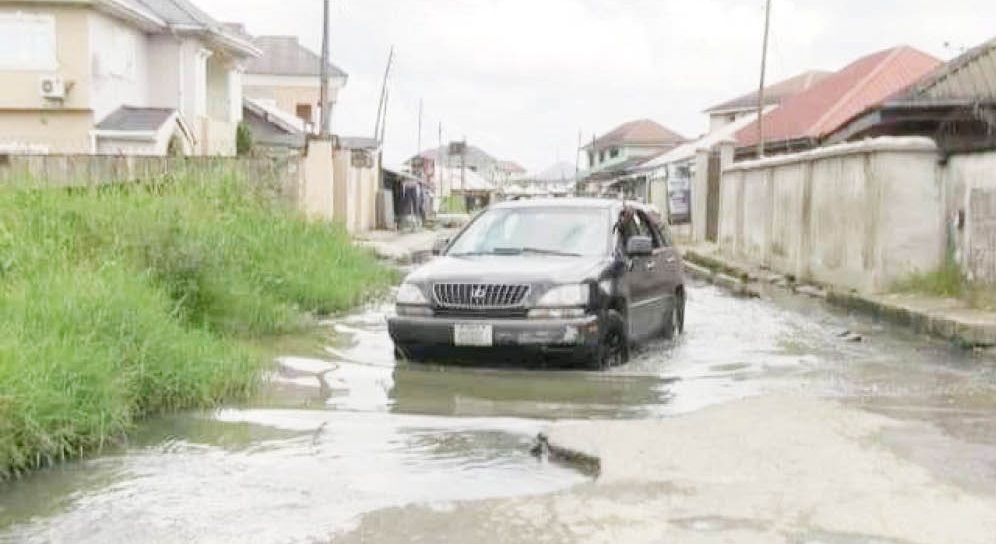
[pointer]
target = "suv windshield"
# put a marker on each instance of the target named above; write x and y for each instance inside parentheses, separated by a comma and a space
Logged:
(550, 231)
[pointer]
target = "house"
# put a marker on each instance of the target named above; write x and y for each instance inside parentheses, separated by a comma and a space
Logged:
(119, 77)
(286, 76)
(955, 105)
(805, 120)
(630, 142)
(746, 105)
(445, 167)
(672, 174)
(508, 171)
(614, 155)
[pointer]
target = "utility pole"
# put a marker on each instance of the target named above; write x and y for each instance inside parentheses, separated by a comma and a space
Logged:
(383, 121)
(326, 129)
(760, 94)
(381, 106)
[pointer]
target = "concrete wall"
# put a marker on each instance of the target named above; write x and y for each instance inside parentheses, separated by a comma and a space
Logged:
(858, 216)
(280, 178)
(355, 192)
(980, 255)
(969, 179)
(317, 195)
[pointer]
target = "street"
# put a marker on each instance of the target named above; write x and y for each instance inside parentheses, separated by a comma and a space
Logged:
(822, 406)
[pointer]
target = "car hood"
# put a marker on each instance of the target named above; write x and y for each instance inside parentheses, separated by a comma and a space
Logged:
(509, 268)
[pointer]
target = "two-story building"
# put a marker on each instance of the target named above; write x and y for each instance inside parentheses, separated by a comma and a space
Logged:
(150, 77)
(612, 156)
(287, 77)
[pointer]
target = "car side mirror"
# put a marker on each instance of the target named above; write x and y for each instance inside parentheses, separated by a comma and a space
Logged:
(639, 246)
(440, 245)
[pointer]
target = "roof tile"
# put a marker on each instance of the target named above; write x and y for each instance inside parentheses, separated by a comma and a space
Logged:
(829, 103)
(641, 132)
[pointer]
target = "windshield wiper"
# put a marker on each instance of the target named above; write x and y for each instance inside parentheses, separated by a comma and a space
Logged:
(535, 250)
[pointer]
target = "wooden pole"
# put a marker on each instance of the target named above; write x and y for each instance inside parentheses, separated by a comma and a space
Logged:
(383, 90)
(760, 94)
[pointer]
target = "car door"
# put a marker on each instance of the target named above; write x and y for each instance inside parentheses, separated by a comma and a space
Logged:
(669, 260)
(635, 280)
(656, 304)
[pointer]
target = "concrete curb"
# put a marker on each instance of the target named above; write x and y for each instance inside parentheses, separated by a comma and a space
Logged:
(963, 333)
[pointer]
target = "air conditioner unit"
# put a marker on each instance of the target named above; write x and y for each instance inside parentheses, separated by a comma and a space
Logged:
(53, 88)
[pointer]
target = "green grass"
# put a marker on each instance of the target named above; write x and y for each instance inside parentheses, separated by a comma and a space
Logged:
(948, 282)
(122, 302)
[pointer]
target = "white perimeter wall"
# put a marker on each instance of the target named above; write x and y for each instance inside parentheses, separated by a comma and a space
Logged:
(858, 216)
(971, 212)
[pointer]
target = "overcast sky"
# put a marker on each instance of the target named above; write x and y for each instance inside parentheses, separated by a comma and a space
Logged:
(520, 78)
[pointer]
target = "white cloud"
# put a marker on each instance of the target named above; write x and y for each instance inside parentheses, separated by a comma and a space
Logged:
(521, 77)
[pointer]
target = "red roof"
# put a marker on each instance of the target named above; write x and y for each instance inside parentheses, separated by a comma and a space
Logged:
(643, 132)
(834, 100)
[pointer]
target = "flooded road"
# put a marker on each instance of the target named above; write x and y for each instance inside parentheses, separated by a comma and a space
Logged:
(316, 455)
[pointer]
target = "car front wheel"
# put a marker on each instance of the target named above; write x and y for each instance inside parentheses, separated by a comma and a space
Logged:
(613, 347)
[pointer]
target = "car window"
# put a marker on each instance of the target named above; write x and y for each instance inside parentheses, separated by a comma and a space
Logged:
(665, 234)
(578, 231)
(646, 228)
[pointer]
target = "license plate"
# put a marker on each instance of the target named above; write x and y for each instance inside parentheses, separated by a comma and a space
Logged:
(473, 335)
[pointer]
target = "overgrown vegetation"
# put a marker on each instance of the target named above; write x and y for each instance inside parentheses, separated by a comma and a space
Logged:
(949, 282)
(121, 302)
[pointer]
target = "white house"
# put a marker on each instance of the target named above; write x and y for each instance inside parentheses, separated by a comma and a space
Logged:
(119, 77)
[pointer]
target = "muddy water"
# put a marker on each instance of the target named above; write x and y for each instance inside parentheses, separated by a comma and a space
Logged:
(312, 456)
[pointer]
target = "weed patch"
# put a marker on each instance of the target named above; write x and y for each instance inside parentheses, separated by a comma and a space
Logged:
(122, 302)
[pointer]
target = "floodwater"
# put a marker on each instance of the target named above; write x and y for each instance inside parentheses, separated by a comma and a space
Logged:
(311, 457)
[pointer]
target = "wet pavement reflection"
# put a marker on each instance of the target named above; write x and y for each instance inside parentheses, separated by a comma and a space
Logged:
(343, 430)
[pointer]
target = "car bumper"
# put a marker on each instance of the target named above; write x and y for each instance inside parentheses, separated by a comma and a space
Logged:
(569, 335)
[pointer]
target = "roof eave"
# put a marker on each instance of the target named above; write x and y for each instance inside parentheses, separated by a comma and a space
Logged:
(142, 18)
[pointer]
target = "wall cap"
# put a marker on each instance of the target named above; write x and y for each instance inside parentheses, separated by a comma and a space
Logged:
(912, 144)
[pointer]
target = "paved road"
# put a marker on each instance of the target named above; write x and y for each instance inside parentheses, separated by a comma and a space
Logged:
(783, 415)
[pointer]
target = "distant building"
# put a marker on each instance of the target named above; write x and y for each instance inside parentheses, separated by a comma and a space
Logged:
(149, 77)
(287, 76)
(628, 143)
(614, 155)
(746, 105)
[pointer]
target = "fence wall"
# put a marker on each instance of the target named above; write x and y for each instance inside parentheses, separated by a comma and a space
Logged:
(970, 181)
(858, 216)
(283, 176)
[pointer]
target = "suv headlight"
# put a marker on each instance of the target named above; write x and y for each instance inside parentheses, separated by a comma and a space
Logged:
(565, 296)
(412, 295)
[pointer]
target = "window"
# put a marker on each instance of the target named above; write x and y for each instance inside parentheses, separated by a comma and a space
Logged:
(637, 225)
(578, 231)
(27, 42)
(304, 112)
(601, 157)
(614, 153)
(591, 158)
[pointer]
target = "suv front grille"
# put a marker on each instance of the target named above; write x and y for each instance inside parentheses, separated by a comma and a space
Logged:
(479, 296)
